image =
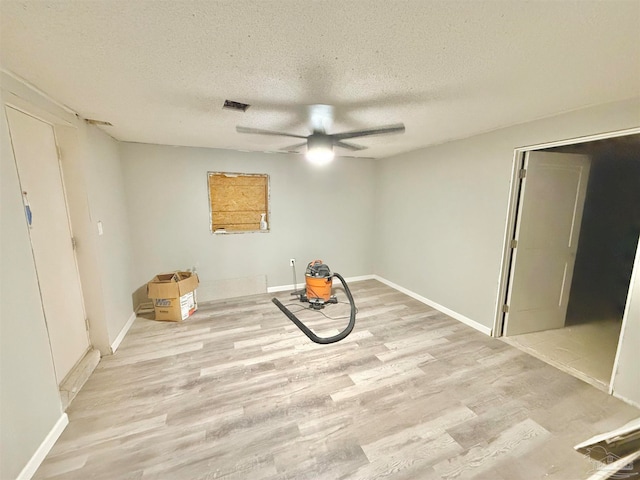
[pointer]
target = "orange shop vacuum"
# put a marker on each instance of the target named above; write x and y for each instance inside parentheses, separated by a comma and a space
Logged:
(318, 293)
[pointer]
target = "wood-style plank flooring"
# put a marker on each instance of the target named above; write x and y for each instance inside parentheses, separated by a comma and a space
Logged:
(237, 391)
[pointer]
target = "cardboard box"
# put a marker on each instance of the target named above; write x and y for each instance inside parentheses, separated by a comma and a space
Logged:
(174, 309)
(173, 295)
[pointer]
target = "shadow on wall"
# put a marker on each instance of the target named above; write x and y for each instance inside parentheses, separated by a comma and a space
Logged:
(139, 297)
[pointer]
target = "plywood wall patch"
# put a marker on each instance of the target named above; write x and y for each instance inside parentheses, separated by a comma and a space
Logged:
(237, 201)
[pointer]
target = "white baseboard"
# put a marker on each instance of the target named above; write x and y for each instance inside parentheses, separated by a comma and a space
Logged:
(467, 321)
(360, 278)
(45, 447)
(625, 399)
(284, 288)
(77, 377)
(123, 332)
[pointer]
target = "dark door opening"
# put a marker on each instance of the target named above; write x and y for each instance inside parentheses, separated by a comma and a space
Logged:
(586, 346)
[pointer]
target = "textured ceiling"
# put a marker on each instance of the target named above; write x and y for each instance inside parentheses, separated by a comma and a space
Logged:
(159, 71)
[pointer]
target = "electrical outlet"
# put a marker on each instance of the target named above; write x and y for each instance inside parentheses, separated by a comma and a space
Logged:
(292, 262)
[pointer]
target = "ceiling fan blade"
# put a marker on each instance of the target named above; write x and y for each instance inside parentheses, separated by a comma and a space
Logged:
(294, 148)
(385, 130)
(260, 131)
(349, 146)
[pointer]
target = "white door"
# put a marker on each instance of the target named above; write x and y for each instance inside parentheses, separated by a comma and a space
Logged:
(35, 151)
(549, 216)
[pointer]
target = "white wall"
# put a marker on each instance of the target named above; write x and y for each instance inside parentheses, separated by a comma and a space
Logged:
(315, 213)
(442, 210)
(29, 399)
(108, 206)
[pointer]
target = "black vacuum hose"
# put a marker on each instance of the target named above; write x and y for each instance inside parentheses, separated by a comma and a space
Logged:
(312, 336)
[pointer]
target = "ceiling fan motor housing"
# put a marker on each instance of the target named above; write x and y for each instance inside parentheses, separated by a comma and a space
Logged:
(319, 141)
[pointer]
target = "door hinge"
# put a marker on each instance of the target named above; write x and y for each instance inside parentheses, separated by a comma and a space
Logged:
(505, 308)
(86, 323)
(74, 243)
(522, 173)
(514, 243)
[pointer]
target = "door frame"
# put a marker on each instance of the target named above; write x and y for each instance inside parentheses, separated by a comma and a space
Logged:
(512, 210)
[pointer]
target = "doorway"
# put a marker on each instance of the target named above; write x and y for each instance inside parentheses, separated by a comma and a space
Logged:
(585, 342)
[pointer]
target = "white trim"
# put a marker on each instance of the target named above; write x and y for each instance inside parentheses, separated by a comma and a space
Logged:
(123, 332)
(467, 321)
(360, 278)
(626, 400)
(36, 90)
(45, 447)
(284, 288)
(577, 140)
(635, 273)
(509, 232)
(28, 108)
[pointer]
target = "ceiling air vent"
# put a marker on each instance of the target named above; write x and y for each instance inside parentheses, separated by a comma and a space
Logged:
(237, 106)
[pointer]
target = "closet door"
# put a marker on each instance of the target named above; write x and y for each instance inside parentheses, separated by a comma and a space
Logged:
(36, 155)
(549, 217)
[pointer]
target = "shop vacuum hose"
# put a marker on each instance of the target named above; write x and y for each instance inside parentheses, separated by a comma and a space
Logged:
(312, 336)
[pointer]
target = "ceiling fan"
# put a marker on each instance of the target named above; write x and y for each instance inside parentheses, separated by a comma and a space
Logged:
(320, 143)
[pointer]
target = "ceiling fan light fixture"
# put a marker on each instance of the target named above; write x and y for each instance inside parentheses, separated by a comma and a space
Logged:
(320, 155)
(319, 149)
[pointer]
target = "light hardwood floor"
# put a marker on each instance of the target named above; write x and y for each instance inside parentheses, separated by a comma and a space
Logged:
(237, 391)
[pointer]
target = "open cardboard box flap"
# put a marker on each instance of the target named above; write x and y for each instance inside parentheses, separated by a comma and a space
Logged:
(172, 285)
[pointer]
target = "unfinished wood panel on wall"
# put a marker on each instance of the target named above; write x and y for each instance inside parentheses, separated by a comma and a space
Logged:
(238, 200)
